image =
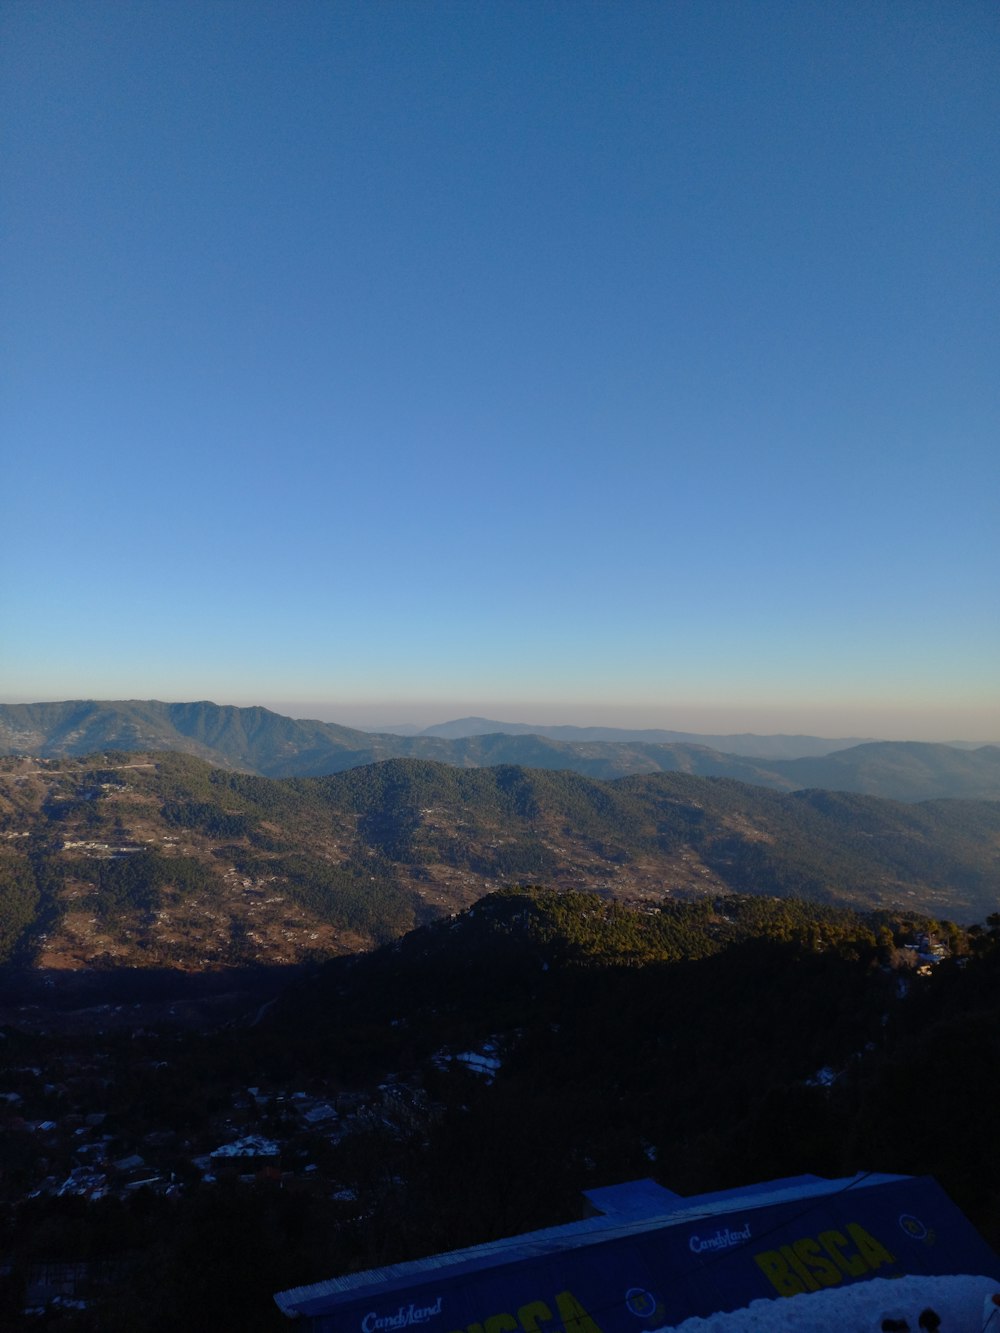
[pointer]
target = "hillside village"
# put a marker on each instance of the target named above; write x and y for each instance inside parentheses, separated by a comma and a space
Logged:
(121, 1118)
(279, 1134)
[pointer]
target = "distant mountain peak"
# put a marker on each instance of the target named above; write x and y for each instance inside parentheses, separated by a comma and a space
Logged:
(745, 743)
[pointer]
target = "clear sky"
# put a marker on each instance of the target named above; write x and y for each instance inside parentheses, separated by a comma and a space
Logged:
(559, 361)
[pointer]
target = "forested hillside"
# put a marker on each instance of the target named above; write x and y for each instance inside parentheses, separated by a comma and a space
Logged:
(163, 861)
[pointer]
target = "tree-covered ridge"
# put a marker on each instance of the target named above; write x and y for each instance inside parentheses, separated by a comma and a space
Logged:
(157, 858)
(496, 957)
(704, 1043)
(707, 1043)
(251, 738)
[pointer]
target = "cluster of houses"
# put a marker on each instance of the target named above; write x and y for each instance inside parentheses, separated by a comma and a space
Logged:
(926, 953)
(263, 1134)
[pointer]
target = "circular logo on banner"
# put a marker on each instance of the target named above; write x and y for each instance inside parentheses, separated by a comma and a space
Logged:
(640, 1303)
(913, 1226)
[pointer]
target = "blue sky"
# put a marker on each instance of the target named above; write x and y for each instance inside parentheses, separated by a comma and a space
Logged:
(555, 361)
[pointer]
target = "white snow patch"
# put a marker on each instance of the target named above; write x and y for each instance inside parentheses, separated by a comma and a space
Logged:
(251, 1146)
(964, 1304)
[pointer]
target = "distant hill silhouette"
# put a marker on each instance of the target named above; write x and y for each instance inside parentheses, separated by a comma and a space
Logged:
(742, 743)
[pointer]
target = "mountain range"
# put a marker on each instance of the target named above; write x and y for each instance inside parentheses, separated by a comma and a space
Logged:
(256, 740)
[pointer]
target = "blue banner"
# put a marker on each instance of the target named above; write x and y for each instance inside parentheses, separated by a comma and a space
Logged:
(634, 1280)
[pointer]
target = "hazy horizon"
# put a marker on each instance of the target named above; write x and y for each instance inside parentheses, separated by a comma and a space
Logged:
(559, 363)
(833, 724)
